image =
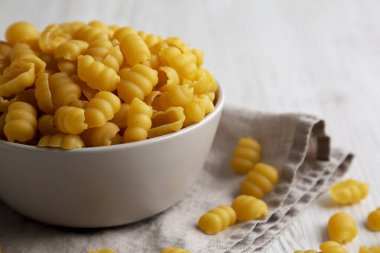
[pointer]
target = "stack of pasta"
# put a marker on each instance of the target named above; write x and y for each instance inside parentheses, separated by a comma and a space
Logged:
(90, 84)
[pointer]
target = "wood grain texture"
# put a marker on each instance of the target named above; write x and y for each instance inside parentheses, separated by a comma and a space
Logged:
(318, 57)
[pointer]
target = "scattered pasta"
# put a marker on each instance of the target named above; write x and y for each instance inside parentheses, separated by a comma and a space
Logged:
(260, 180)
(217, 219)
(349, 191)
(342, 228)
(332, 247)
(373, 221)
(247, 153)
(82, 78)
(249, 208)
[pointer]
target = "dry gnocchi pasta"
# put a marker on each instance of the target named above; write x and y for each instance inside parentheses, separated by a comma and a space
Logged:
(373, 221)
(260, 180)
(249, 208)
(217, 219)
(349, 191)
(174, 250)
(342, 228)
(246, 154)
(80, 80)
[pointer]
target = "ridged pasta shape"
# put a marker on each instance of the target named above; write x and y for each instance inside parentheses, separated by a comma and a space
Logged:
(22, 53)
(209, 105)
(134, 49)
(101, 136)
(174, 250)
(70, 120)
(5, 52)
(174, 95)
(65, 141)
(22, 32)
(332, 247)
(195, 111)
(150, 39)
(260, 180)
(151, 97)
(88, 92)
(4, 103)
(107, 250)
(101, 109)
(182, 63)
(96, 74)
(67, 67)
(373, 220)
(20, 122)
(139, 121)
(121, 117)
(198, 56)
(167, 122)
(46, 125)
(167, 76)
(249, 208)
(114, 59)
(246, 154)
(90, 33)
(204, 84)
(178, 43)
(71, 28)
(217, 219)
(70, 50)
(63, 90)
(341, 228)
(43, 94)
(51, 37)
(18, 78)
(349, 191)
(99, 49)
(364, 249)
(102, 26)
(136, 82)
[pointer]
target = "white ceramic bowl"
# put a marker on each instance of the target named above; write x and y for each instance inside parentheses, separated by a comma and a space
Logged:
(105, 186)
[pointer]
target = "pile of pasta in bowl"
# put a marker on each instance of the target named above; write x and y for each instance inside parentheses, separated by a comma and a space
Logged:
(80, 84)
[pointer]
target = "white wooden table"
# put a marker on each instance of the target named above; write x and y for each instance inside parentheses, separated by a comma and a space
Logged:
(318, 57)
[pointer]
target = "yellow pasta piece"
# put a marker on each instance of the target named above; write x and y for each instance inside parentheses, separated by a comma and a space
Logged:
(52, 37)
(51, 63)
(260, 180)
(195, 111)
(246, 154)
(249, 208)
(88, 92)
(167, 122)
(349, 191)
(121, 117)
(22, 53)
(198, 56)
(101, 109)
(18, 78)
(364, 249)
(174, 250)
(217, 219)
(341, 228)
(151, 97)
(96, 74)
(20, 122)
(114, 59)
(101, 136)
(65, 141)
(99, 49)
(5, 52)
(150, 39)
(70, 120)
(167, 76)
(22, 32)
(67, 67)
(204, 84)
(182, 63)
(139, 121)
(63, 90)
(70, 50)
(134, 49)
(209, 105)
(43, 94)
(373, 220)
(136, 82)
(71, 28)
(332, 247)
(46, 125)
(153, 62)
(90, 33)
(102, 26)
(174, 95)
(178, 43)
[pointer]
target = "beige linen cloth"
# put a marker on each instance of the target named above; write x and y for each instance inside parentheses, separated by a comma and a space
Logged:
(295, 143)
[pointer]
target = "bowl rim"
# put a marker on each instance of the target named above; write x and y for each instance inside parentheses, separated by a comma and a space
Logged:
(218, 107)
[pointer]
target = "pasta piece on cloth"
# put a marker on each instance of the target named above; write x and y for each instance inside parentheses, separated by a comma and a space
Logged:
(296, 144)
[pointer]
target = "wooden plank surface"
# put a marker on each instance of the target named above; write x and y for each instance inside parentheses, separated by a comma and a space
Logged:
(318, 57)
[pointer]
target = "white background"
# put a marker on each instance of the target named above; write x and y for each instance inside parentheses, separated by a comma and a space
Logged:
(318, 57)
